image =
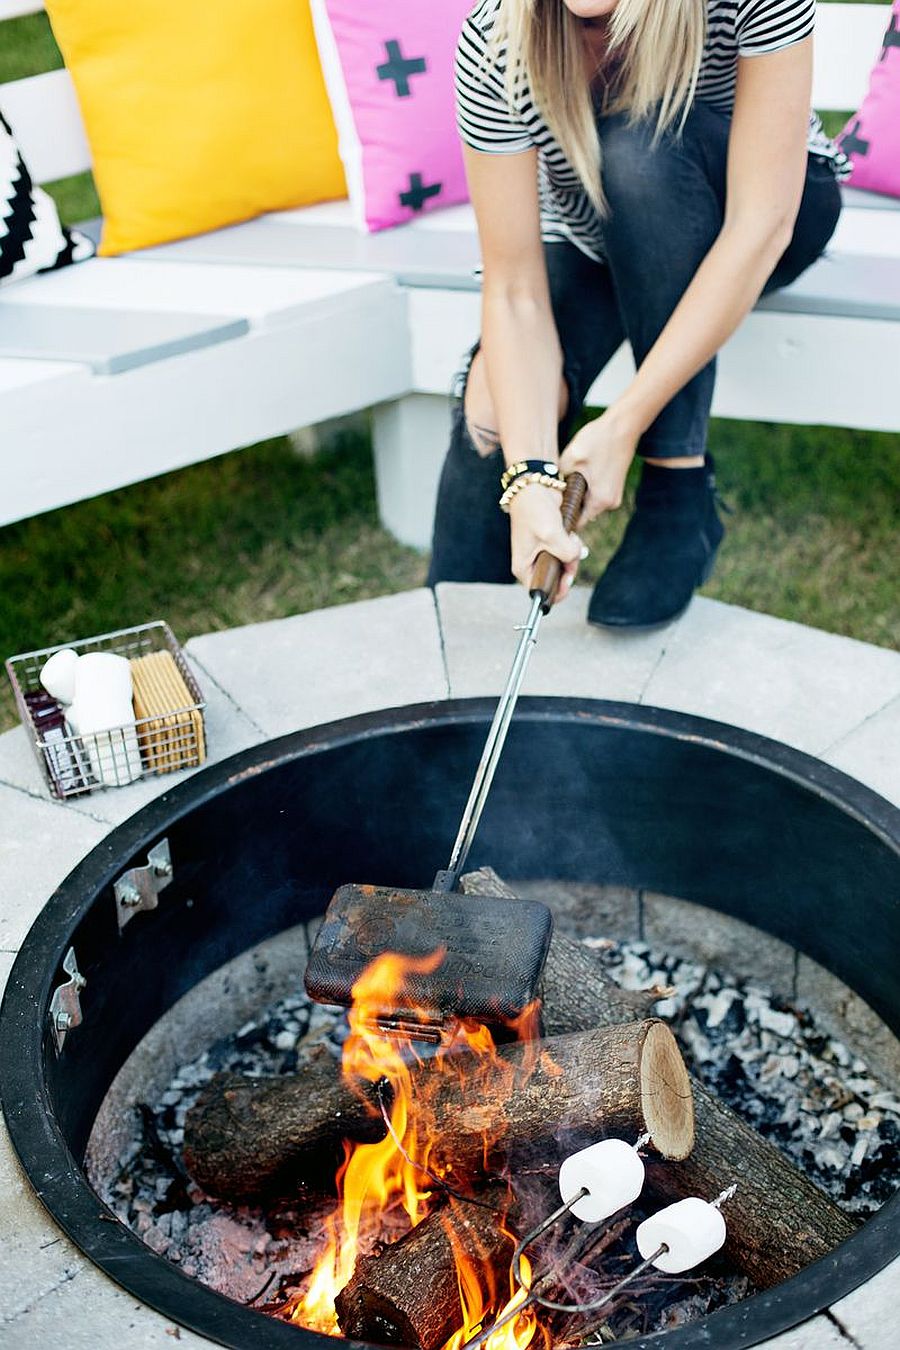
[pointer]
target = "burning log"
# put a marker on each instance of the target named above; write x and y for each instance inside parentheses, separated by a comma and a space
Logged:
(409, 1295)
(237, 1141)
(625, 1080)
(778, 1221)
(402, 1294)
(246, 1136)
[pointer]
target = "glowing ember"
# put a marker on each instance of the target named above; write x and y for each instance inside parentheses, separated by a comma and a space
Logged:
(384, 1189)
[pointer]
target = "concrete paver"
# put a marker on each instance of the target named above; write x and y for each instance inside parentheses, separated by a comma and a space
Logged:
(39, 846)
(814, 690)
(314, 668)
(87, 1311)
(869, 1314)
(35, 1257)
(816, 1334)
(871, 752)
(571, 657)
(783, 680)
(6, 961)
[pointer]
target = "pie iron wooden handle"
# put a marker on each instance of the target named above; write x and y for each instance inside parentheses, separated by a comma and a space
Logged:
(548, 570)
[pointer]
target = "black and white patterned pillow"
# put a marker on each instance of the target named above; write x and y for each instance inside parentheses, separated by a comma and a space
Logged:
(31, 237)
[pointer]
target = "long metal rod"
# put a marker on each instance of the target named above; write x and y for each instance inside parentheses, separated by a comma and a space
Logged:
(493, 746)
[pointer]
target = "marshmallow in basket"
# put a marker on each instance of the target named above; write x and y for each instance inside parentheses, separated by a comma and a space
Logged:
(97, 688)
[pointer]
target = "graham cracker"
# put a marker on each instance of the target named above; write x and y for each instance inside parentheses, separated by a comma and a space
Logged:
(173, 737)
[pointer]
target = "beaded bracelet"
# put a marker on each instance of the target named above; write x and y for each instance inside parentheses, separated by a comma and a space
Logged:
(525, 480)
(523, 466)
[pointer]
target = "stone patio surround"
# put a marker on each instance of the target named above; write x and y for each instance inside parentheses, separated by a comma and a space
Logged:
(827, 695)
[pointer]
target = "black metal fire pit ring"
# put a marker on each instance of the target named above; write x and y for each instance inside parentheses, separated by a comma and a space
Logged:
(29, 1068)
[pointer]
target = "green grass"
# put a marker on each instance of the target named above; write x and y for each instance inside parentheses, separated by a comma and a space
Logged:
(27, 47)
(262, 533)
(814, 534)
(253, 535)
(76, 198)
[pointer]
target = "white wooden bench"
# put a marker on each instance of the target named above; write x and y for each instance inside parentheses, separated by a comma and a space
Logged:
(117, 370)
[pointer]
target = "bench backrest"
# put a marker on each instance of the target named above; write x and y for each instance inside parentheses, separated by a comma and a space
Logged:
(43, 110)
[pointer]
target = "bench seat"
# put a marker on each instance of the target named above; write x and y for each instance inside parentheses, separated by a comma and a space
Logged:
(120, 369)
(136, 388)
(441, 251)
(296, 317)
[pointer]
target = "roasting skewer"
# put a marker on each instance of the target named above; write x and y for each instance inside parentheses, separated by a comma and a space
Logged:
(493, 747)
(677, 1238)
(489, 958)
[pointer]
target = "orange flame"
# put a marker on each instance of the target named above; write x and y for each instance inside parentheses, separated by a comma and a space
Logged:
(515, 1334)
(382, 1188)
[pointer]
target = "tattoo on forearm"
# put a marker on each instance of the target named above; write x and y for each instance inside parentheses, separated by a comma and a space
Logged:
(485, 439)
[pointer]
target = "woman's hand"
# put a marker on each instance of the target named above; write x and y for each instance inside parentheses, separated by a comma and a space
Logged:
(602, 451)
(535, 525)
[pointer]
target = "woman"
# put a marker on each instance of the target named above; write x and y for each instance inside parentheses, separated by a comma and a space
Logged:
(640, 170)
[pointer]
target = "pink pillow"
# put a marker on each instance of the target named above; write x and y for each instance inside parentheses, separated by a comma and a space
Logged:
(388, 67)
(872, 137)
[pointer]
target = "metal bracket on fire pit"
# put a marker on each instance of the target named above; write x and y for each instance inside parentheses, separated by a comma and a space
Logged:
(65, 1005)
(139, 887)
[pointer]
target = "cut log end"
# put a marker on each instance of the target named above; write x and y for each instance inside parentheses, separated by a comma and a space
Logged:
(666, 1094)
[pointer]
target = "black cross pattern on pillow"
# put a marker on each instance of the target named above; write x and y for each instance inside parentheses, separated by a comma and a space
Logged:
(399, 68)
(854, 144)
(418, 192)
(891, 37)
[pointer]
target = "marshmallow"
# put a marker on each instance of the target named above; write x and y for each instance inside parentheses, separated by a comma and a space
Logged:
(58, 675)
(102, 714)
(103, 674)
(691, 1229)
(611, 1172)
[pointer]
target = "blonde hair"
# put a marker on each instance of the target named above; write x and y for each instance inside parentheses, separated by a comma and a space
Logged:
(655, 47)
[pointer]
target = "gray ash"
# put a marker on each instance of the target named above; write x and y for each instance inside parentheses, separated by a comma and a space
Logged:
(242, 1251)
(798, 1086)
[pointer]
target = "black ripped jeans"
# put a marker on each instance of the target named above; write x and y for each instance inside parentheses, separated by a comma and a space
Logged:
(666, 208)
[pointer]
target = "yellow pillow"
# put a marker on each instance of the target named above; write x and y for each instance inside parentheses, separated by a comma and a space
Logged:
(199, 113)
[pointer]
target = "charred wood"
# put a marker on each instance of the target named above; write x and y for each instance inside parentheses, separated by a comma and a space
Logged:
(240, 1141)
(778, 1221)
(626, 1080)
(246, 1136)
(409, 1294)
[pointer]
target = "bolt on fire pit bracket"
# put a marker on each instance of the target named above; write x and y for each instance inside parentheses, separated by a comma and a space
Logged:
(65, 1005)
(138, 888)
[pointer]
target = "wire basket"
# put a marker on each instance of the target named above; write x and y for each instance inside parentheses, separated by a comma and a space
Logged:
(173, 738)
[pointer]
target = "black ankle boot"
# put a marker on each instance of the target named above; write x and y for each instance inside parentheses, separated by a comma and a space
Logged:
(668, 550)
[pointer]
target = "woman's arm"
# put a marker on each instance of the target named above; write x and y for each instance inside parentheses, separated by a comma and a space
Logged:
(522, 355)
(520, 346)
(766, 173)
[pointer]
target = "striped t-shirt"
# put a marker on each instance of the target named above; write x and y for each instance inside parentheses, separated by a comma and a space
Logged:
(734, 28)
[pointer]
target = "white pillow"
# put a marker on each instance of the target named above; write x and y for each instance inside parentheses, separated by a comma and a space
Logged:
(31, 237)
